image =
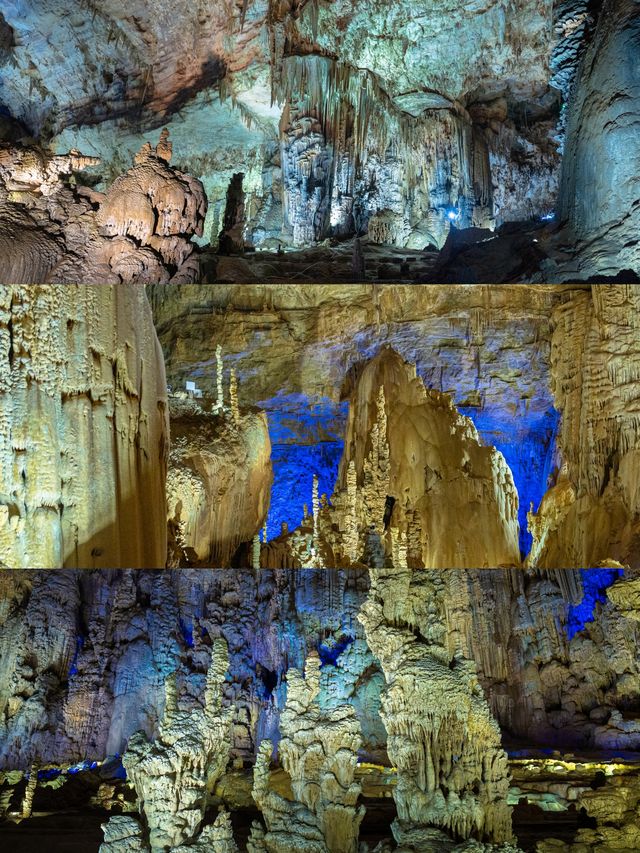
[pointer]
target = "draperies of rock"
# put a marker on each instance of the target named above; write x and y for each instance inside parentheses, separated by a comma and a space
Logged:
(592, 513)
(441, 736)
(84, 429)
(319, 752)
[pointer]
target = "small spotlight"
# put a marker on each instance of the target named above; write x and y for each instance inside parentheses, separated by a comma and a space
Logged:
(547, 216)
(453, 213)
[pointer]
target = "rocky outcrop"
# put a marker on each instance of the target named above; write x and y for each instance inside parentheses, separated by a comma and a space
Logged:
(83, 428)
(138, 231)
(296, 349)
(416, 487)
(592, 513)
(319, 751)
(218, 484)
(452, 771)
(171, 773)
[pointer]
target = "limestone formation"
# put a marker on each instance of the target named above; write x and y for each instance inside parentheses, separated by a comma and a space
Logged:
(218, 484)
(592, 513)
(441, 736)
(600, 192)
(319, 753)
(171, 774)
(423, 478)
(84, 432)
(138, 231)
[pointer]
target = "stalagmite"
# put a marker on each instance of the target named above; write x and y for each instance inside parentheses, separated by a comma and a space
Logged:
(315, 505)
(318, 750)
(233, 397)
(191, 751)
(452, 771)
(29, 793)
(219, 404)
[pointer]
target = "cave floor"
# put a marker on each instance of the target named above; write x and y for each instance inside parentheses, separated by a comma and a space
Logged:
(322, 263)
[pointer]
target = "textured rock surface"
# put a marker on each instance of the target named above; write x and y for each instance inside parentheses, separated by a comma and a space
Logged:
(53, 230)
(592, 513)
(319, 107)
(85, 655)
(218, 484)
(452, 771)
(83, 428)
(415, 488)
(600, 191)
(294, 348)
(319, 753)
(170, 774)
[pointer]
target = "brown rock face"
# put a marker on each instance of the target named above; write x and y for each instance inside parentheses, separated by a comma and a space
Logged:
(219, 484)
(593, 512)
(453, 497)
(83, 433)
(55, 231)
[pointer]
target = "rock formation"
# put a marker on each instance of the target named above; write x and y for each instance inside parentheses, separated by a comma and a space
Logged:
(425, 491)
(600, 192)
(452, 771)
(83, 428)
(592, 513)
(171, 773)
(319, 753)
(218, 484)
(56, 230)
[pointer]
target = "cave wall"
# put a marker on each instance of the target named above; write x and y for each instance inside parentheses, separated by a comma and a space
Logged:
(590, 515)
(294, 349)
(85, 654)
(84, 433)
(600, 192)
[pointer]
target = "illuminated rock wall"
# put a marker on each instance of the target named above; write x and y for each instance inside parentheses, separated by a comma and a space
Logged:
(83, 436)
(293, 348)
(171, 773)
(600, 189)
(452, 771)
(54, 230)
(592, 514)
(319, 752)
(84, 655)
(218, 485)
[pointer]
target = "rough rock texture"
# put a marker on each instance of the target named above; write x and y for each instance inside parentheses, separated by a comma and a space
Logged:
(319, 753)
(592, 513)
(83, 435)
(433, 467)
(170, 774)
(452, 771)
(218, 484)
(85, 655)
(321, 108)
(138, 231)
(415, 488)
(294, 348)
(600, 189)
